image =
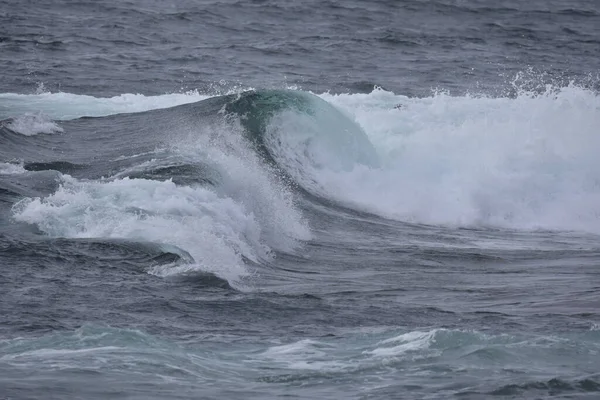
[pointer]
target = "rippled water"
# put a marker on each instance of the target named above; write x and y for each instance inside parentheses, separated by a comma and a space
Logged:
(318, 200)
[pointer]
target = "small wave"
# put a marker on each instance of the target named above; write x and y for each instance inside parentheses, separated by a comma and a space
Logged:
(183, 172)
(419, 353)
(407, 342)
(552, 387)
(305, 355)
(63, 167)
(87, 360)
(33, 124)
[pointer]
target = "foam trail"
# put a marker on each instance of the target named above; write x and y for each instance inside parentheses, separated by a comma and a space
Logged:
(65, 106)
(527, 162)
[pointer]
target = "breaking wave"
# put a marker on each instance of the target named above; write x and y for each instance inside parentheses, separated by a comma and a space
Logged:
(219, 177)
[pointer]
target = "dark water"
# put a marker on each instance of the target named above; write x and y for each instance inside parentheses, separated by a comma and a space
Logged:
(366, 200)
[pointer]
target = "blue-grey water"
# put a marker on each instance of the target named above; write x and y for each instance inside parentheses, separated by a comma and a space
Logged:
(309, 200)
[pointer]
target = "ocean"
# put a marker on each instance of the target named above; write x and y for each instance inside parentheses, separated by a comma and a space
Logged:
(299, 199)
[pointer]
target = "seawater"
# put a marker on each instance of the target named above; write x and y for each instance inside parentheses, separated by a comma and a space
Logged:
(319, 200)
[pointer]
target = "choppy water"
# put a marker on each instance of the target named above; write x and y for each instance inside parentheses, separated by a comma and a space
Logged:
(332, 200)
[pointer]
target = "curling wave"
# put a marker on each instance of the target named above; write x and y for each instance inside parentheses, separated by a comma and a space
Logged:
(219, 175)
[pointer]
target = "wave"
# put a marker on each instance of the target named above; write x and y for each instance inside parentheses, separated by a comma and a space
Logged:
(32, 124)
(552, 387)
(448, 353)
(465, 363)
(219, 175)
(521, 162)
(207, 191)
(221, 188)
(303, 134)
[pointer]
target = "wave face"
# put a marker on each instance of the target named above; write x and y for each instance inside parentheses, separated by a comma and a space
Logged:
(303, 134)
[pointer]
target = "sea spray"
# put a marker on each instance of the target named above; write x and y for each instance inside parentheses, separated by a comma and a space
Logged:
(525, 162)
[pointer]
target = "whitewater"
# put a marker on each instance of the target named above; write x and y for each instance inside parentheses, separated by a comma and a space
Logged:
(525, 162)
(263, 198)
(316, 200)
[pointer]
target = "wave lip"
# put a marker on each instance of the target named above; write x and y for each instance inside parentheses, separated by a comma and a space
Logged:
(303, 134)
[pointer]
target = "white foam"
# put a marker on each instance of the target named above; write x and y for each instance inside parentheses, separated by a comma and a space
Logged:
(321, 138)
(246, 179)
(304, 346)
(306, 355)
(409, 337)
(405, 343)
(11, 169)
(352, 353)
(528, 162)
(216, 231)
(33, 124)
(247, 214)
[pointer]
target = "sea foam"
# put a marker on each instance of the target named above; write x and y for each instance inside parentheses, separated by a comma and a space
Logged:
(527, 162)
(246, 215)
(34, 124)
